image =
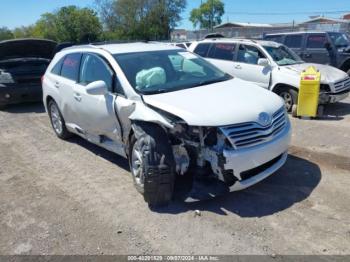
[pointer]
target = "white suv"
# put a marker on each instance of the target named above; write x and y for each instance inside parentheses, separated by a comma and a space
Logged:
(272, 66)
(168, 111)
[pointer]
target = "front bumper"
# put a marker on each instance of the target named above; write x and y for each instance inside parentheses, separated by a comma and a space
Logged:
(251, 165)
(330, 98)
(13, 94)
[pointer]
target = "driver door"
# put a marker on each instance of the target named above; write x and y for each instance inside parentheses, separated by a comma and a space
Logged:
(96, 113)
(246, 66)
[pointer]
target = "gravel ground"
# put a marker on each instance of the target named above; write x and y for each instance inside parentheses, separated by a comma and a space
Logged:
(72, 197)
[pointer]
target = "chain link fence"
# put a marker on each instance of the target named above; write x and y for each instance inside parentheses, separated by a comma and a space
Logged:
(258, 32)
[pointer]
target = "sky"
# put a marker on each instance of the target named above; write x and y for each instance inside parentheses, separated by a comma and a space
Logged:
(16, 13)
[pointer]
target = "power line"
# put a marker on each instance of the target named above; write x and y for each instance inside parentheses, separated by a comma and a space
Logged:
(289, 13)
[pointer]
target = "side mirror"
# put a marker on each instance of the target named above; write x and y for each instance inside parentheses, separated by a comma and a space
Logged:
(263, 62)
(97, 88)
(328, 46)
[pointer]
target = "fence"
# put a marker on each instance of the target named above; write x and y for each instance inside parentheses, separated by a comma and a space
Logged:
(258, 32)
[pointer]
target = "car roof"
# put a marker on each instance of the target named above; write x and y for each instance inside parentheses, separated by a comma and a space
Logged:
(241, 40)
(125, 47)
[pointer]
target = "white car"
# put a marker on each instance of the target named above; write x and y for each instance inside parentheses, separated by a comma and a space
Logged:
(272, 66)
(168, 111)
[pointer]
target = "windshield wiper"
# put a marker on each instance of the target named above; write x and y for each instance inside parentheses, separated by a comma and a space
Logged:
(213, 81)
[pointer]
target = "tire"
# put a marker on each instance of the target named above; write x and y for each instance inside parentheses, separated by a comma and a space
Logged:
(290, 97)
(295, 110)
(57, 121)
(152, 164)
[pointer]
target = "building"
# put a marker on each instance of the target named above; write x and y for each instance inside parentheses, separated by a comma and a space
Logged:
(178, 35)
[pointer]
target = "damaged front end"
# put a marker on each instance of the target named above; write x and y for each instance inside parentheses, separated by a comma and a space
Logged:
(229, 158)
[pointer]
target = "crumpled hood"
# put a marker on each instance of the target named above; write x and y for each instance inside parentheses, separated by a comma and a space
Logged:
(224, 103)
(27, 48)
(329, 74)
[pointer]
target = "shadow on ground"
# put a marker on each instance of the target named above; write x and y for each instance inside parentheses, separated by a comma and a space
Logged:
(293, 183)
(25, 108)
(336, 111)
(101, 152)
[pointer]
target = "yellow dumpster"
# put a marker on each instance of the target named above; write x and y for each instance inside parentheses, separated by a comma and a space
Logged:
(309, 92)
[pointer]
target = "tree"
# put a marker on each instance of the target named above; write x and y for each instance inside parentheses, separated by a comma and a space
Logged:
(140, 19)
(23, 32)
(5, 33)
(208, 15)
(69, 24)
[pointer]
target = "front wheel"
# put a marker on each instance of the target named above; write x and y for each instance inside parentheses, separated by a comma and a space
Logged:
(290, 97)
(57, 121)
(152, 164)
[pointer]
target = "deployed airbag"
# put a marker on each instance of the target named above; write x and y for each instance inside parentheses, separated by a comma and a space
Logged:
(150, 77)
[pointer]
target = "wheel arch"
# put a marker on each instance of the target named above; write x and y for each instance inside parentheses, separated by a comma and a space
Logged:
(346, 65)
(281, 86)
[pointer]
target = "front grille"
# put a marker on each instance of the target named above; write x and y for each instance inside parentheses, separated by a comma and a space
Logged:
(251, 134)
(342, 85)
(256, 171)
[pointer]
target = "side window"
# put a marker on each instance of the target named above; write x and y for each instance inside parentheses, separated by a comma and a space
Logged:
(57, 68)
(94, 68)
(316, 41)
(223, 51)
(293, 41)
(249, 54)
(70, 67)
(202, 49)
(274, 38)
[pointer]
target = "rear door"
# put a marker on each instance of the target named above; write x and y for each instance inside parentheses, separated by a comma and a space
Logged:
(316, 51)
(96, 113)
(295, 42)
(65, 83)
(246, 66)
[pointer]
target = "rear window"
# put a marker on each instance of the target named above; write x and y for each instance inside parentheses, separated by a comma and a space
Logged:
(70, 67)
(316, 41)
(202, 49)
(274, 38)
(57, 68)
(293, 41)
(223, 51)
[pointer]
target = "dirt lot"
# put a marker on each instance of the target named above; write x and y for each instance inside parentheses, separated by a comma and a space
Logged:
(74, 198)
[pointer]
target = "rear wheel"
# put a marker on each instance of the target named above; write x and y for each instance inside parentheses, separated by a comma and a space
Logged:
(152, 164)
(57, 121)
(290, 97)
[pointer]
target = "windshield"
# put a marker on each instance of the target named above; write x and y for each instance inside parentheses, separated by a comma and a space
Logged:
(340, 40)
(282, 55)
(166, 71)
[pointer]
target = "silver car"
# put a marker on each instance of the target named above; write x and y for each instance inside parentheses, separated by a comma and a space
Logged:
(169, 112)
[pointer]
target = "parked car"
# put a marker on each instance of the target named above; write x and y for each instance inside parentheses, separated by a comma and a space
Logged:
(272, 66)
(166, 116)
(22, 64)
(329, 48)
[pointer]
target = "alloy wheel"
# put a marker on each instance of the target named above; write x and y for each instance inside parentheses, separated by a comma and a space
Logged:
(56, 119)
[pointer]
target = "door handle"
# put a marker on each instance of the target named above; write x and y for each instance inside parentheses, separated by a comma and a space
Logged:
(77, 97)
(238, 67)
(308, 55)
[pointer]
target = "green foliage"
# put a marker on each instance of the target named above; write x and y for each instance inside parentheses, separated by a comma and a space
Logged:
(5, 33)
(69, 24)
(141, 19)
(208, 15)
(23, 32)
